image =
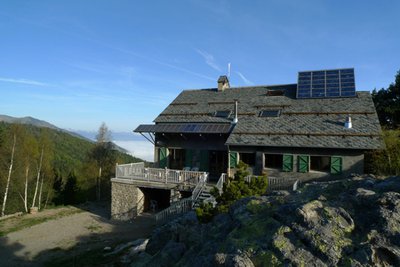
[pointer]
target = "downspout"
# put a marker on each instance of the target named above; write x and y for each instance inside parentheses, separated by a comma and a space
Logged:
(235, 119)
(228, 172)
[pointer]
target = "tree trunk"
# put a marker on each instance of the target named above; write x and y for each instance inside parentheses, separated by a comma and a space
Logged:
(47, 196)
(98, 192)
(40, 192)
(37, 179)
(3, 208)
(26, 189)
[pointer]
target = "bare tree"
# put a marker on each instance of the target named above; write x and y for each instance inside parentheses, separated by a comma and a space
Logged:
(103, 154)
(10, 169)
(38, 177)
(27, 154)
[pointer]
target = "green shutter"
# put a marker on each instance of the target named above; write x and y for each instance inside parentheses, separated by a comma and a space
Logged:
(287, 163)
(303, 163)
(163, 160)
(188, 158)
(233, 159)
(336, 165)
(204, 160)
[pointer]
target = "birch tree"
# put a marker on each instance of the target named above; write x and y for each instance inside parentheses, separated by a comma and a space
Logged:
(27, 155)
(46, 154)
(10, 169)
(104, 155)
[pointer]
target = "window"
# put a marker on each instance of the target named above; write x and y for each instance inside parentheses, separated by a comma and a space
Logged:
(273, 161)
(320, 163)
(275, 92)
(248, 158)
(270, 113)
(222, 113)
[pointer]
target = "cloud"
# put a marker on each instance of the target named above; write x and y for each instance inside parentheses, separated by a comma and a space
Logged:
(210, 61)
(159, 62)
(245, 80)
(22, 81)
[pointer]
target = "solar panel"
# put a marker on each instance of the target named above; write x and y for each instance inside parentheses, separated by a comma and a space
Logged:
(184, 128)
(326, 83)
(270, 113)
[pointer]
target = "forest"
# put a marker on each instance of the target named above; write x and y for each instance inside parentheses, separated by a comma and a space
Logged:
(42, 167)
(387, 103)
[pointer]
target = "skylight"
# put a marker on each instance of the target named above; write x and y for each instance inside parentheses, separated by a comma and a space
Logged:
(275, 92)
(270, 113)
(222, 113)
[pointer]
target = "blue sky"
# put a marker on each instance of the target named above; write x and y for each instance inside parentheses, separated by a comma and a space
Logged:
(78, 63)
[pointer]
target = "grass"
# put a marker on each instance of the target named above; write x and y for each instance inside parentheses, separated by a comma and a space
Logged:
(25, 221)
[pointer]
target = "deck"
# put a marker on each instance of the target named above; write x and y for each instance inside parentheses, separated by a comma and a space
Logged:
(138, 174)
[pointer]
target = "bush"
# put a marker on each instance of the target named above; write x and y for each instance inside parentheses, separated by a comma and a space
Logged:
(205, 212)
(234, 189)
(385, 162)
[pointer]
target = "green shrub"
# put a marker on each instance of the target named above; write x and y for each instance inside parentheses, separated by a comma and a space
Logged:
(387, 161)
(205, 212)
(234, 189)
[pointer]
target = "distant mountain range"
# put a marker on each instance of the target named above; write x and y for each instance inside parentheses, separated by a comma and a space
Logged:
(28, 120)
(115, 136)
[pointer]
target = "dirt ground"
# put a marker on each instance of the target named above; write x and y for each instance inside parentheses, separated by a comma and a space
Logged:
(68, 236)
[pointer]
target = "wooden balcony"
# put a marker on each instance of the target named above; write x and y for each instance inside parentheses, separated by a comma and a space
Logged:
(137, 173)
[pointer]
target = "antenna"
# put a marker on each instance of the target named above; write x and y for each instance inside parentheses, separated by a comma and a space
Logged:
(229, 70)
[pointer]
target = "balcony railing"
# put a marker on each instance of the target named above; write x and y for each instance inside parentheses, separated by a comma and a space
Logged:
(137, 171)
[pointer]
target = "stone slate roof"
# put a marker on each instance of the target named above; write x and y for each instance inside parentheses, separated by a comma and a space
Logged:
(302, 122)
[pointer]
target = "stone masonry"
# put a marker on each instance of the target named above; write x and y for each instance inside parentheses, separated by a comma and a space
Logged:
(126, 201)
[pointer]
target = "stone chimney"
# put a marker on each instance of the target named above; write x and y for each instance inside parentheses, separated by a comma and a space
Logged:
(223, 83)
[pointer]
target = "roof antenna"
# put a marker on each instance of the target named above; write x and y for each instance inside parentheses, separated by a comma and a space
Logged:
(229, 70)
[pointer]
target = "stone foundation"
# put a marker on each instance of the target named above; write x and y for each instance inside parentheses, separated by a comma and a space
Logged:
(127, 201)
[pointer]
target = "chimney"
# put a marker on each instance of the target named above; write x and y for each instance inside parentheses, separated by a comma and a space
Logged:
(223, 83)
(348, 124)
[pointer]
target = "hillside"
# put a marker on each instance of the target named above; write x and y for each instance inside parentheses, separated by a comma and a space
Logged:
(353, 222)
(69, 150)
(69, 172)
(27, 120)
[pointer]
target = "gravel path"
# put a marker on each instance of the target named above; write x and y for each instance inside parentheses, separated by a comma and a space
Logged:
(76, 233)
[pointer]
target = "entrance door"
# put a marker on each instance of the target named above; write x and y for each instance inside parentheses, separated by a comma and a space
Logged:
(218, 163)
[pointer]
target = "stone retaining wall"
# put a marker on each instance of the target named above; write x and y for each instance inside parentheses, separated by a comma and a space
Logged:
(124, 201)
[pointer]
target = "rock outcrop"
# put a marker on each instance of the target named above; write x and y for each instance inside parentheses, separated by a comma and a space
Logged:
(352, 222)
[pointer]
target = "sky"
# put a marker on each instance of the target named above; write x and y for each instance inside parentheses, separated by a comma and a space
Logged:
(78, 63)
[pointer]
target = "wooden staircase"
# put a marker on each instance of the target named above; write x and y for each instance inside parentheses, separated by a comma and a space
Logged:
(200, 194)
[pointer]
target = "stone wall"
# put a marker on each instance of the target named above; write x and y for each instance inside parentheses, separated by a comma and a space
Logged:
(126, 200)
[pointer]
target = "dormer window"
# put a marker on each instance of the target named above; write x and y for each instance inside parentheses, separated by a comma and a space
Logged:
(222, 113)
(270, 113)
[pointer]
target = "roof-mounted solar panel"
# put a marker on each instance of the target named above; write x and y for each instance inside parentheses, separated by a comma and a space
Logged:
(326, 83)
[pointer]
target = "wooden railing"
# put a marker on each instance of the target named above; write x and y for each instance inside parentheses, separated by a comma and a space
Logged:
(185, 204)
(199, 188)
(137, 171)
(275, 183)
(175, 209)
(220, 183)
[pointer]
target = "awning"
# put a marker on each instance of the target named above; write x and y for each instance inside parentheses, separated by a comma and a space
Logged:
(214, 128)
